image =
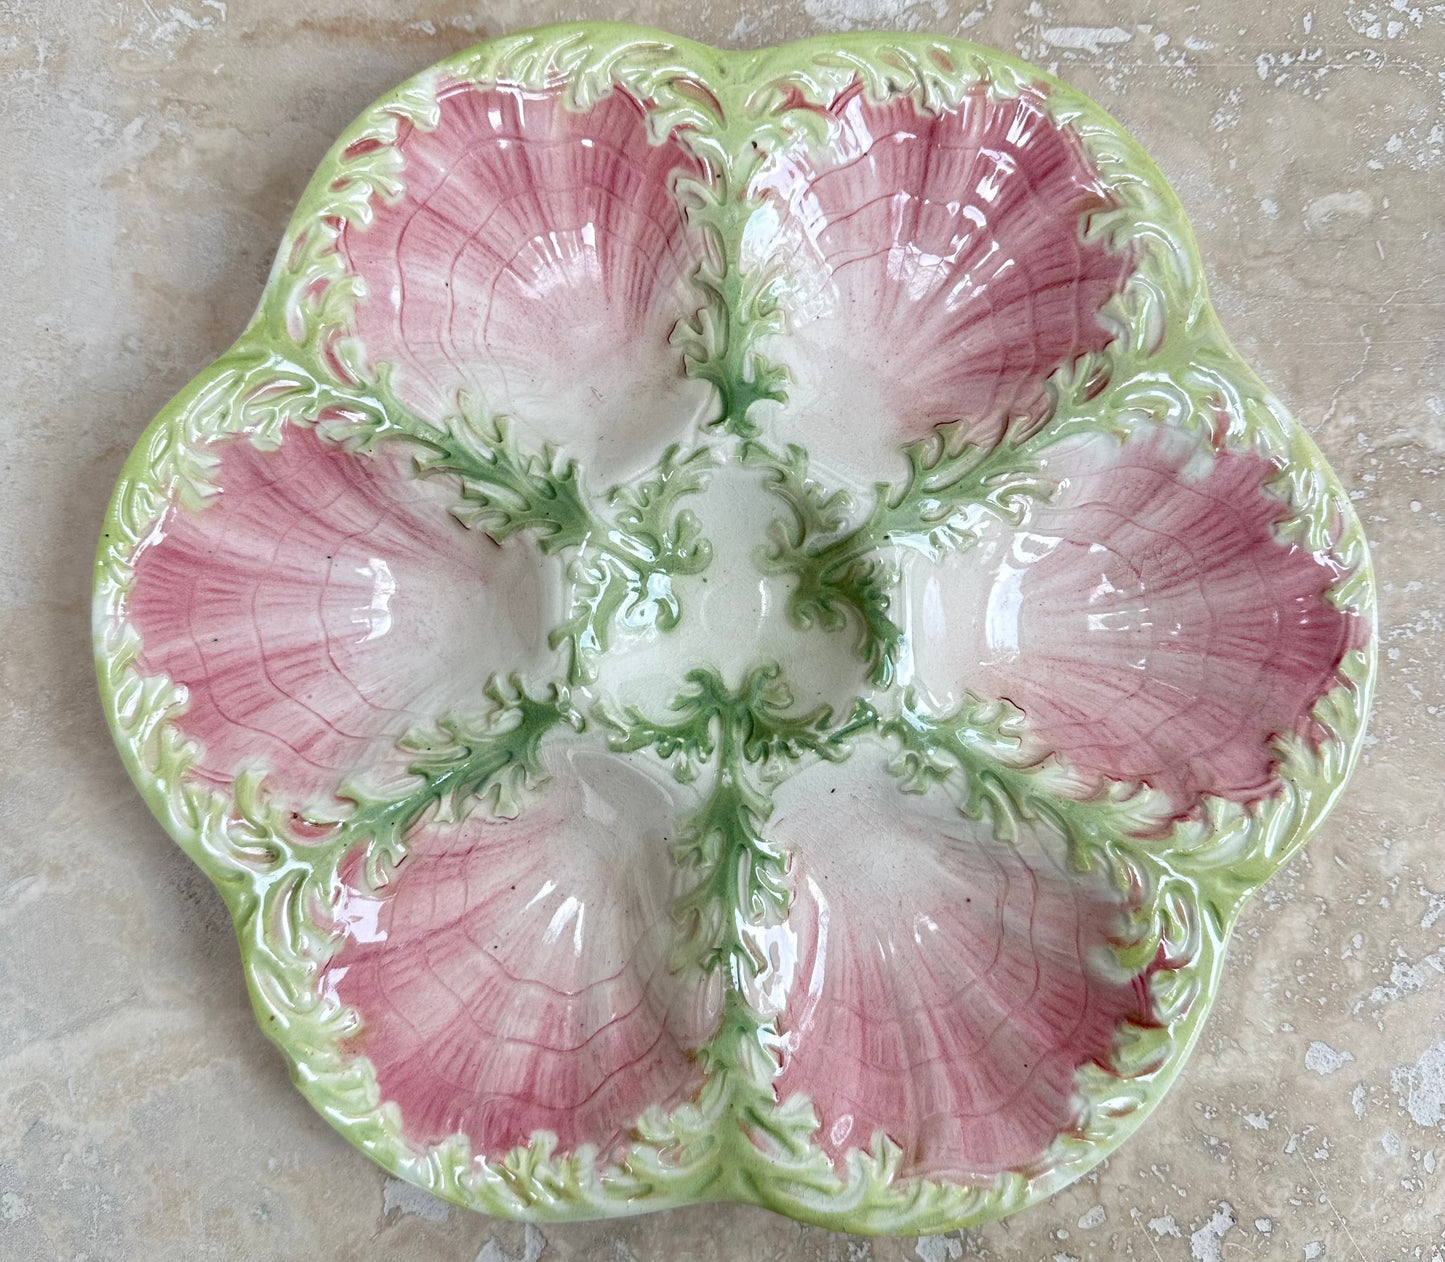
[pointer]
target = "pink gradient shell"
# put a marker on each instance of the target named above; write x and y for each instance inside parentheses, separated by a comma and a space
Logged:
(538, 256)
(1150, 624)
(523, 967)
(945, 249)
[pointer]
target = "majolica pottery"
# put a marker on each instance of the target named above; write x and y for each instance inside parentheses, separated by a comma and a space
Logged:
(733, 628)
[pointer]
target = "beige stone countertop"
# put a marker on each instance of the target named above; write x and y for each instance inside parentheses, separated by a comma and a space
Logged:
(153, 150)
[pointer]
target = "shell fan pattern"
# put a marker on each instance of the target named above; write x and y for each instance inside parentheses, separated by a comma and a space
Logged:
(733, 628)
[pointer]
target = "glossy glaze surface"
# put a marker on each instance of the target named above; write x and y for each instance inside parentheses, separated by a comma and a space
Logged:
(733, 628)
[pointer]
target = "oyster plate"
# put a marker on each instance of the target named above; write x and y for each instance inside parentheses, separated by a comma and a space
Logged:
(734, 628)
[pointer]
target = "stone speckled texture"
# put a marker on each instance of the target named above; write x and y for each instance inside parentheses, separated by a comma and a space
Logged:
(154, 150)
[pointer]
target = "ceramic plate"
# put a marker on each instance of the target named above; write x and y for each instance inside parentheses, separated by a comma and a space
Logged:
(733, 628)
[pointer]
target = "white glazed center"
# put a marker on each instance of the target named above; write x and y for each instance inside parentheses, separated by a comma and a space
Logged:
(735, 615)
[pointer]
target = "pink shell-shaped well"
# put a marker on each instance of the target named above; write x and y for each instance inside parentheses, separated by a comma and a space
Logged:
(1147, 620)
(514, 975)
(319, 607)
(942, 269)
(538, 259)
(949, 985)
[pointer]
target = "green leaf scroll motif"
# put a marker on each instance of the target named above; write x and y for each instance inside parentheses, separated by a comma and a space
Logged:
(953, 486)
(624, 566)
(737, 875)
(462, 766)
(735, 888)
(975, 754)
(739, 303)
(720, 341)
(625, 572)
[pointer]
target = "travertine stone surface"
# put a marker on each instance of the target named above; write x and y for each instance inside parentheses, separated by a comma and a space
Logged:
(153, 150)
